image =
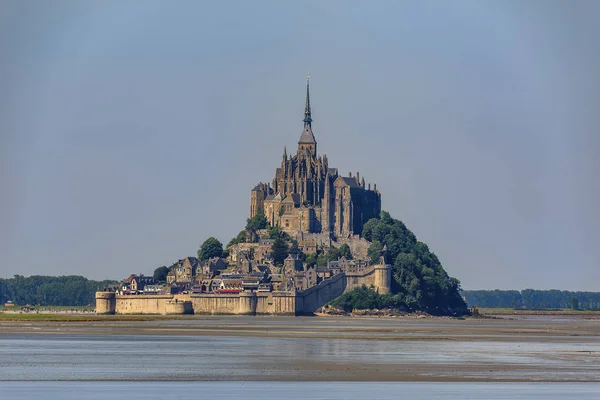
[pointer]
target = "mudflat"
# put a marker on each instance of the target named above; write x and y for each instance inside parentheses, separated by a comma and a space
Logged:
(538, 348)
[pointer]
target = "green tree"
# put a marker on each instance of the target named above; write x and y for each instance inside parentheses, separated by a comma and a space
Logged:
(374, 251)
(363, 298)
(210, 248)
(51, 290)
(240, 238)
(574, 303)
(344, 251)
(276, 232)
(323, 257)
(259, 221)
(279, 251)
(160, 274)
(311, 259)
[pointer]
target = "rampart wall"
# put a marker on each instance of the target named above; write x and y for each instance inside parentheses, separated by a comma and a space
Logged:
(153, 304)
(310, 300)
(245, 303)
(379, 276)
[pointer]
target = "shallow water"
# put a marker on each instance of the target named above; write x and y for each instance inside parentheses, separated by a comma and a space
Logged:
(66, 357)
(296, 390)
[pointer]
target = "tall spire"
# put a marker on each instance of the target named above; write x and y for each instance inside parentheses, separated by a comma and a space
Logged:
(307, 140)
(307, 118)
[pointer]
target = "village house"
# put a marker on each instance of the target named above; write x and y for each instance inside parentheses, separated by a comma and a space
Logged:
(292, 264)
(186, 269)
(136, 283)
(214, 266)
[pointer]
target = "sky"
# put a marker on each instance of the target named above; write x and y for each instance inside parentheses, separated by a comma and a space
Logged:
(131, 131)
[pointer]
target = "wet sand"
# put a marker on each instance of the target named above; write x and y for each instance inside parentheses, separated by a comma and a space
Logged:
(349, 349)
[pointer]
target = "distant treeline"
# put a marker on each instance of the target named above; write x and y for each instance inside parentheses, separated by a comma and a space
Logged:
(50, 290)
(532, 299)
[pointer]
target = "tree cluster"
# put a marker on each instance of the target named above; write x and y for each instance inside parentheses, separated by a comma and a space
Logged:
(322, 257)
(280, 248)
(160, 274)
(364, 298)
(533, 299)
(248, 234)
(418, 276)
(210, 248)
(51, 290)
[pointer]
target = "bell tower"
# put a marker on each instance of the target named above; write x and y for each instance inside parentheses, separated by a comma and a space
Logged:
(307, 140)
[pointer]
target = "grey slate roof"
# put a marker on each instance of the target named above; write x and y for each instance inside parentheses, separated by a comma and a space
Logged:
(307, 136)
(350, 181)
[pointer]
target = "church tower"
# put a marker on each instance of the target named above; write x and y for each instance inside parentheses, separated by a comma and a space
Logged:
(307, 196)
(307, 139)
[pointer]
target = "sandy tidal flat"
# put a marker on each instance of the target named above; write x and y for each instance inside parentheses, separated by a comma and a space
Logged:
(303, 349)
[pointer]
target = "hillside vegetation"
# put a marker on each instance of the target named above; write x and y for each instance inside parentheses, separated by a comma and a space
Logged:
(419, 282)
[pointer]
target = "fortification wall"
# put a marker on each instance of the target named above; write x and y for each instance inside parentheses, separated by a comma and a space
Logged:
(265, 303)
(357, 279)
(153, 304)
(358, 246)
(380, 276)
(245, 303)
(105, 302)
(317, 296)
(284, 303)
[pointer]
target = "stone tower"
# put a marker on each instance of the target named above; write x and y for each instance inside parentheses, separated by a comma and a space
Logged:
(307, 139)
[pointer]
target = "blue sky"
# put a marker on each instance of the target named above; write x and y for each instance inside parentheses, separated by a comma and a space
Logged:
(130, 131)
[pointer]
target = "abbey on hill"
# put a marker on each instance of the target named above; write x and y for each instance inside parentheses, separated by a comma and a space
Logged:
(302, 247)
(308, 196)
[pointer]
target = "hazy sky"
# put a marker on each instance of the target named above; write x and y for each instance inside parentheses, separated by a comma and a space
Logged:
(130, 131)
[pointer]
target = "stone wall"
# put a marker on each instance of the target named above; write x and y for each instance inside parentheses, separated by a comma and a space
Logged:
(379, 276)
(358, 246)
(153, 304)
(245, 303)
(310, 300)
(357, 279)
(248, 303)
(216, 304)
(105, 302)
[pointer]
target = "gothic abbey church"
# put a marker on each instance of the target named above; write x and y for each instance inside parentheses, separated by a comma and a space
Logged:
(307, 196)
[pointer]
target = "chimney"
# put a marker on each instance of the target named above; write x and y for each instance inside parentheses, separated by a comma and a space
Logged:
(357, 177)
(350, 174)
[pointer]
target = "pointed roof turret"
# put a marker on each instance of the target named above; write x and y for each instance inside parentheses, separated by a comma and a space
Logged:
(307, 136)
(307, 118)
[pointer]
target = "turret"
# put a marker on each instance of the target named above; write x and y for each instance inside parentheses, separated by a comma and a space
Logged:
(105, 302)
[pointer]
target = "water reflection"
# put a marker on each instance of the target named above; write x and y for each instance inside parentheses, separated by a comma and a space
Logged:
(145, 357)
